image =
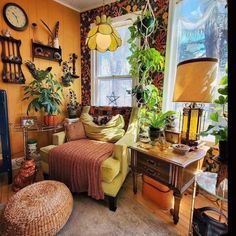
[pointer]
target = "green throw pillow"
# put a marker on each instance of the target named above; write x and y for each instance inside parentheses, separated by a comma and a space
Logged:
(112, 131)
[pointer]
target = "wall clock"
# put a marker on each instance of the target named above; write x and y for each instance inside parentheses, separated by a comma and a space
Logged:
(15, 16)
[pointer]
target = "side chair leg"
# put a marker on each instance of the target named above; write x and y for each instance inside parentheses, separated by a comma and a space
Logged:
(112, 203)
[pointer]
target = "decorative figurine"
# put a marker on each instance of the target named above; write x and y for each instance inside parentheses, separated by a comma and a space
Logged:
(6, 33)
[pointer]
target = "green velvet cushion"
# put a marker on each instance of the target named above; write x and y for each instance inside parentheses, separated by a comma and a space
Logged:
(44, 152)
(110, 169)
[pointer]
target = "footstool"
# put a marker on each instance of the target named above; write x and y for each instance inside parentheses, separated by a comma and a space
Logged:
(42, 208)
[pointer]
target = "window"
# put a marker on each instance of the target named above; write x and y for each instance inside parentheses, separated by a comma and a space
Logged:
(110, 72)
(197, 28)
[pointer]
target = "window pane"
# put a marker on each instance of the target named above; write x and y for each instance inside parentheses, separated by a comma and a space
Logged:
(202, 32)
(115, 89)
(115, 63)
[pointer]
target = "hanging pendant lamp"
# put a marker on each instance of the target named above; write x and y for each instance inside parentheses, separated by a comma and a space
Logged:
(103, 37)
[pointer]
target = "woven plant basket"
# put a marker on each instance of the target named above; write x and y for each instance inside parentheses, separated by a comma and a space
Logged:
(42, 208)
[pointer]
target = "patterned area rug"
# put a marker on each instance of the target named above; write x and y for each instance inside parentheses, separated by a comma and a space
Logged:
(90, 218)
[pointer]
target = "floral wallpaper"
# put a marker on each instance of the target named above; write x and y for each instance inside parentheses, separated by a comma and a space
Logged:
(122, 7)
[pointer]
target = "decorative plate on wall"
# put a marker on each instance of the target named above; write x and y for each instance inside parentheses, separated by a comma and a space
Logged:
(15, 16)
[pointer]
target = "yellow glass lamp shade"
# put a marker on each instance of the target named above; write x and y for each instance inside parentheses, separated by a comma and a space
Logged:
(103, 37)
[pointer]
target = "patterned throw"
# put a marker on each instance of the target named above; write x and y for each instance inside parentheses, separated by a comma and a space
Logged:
(78, 165)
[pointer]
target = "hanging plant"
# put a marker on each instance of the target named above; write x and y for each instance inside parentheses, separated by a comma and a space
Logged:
(67, 77)
(147, 23)
(72, 105)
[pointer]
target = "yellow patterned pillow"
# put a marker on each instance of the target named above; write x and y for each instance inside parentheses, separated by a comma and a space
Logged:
(112, 131)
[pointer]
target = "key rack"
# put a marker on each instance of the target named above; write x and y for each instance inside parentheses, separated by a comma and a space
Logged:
(12, 60)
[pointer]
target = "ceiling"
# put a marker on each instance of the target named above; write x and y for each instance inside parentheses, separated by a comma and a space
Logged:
(83, 5)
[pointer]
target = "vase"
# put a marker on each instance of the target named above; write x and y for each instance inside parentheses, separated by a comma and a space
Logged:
(223, 151)
(56, 43)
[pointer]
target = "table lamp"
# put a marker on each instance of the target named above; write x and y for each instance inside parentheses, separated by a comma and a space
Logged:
(195, 83)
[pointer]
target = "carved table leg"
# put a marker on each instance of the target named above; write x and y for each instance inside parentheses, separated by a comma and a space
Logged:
(175, 212)
(133, 168)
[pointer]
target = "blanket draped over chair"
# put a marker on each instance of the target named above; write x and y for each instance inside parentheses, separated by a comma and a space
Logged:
(78, 165)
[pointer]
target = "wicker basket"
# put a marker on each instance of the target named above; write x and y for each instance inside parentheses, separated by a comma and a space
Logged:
(42, 208)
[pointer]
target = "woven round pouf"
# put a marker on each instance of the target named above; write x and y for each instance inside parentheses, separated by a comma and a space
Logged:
(42, 208)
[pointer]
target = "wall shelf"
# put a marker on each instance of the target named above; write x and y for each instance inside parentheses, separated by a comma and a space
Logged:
(46, 52)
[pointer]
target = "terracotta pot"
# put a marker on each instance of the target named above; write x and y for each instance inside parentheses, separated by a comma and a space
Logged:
(50, 120)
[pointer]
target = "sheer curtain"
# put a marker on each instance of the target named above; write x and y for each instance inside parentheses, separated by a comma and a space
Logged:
(197, 28)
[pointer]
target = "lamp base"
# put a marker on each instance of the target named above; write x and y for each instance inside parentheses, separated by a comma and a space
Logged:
(191, 124)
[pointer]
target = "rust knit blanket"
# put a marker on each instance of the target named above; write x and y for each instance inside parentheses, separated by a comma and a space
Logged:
(78, 165)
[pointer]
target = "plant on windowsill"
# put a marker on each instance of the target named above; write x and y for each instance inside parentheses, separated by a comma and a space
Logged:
(72, 105)
(219, 117)
(45, 93)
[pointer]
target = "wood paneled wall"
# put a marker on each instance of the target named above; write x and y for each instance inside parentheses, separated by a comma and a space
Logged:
(69, 39)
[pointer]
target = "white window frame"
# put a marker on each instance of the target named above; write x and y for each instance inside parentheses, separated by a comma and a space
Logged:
(170, 67)
(125, 20)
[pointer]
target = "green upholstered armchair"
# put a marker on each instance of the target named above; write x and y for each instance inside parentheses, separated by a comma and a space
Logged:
(114, 168)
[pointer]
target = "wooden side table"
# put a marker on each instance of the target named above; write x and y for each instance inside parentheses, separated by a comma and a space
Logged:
(173, 170)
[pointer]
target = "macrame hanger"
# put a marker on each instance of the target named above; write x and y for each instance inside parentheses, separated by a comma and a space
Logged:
(103, 7)
(148, 32)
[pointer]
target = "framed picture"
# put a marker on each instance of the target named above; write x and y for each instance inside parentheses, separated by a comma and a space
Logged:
(28, 120)
(173, 136)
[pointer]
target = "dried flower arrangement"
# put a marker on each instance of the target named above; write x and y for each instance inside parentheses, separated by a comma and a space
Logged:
(53, 40)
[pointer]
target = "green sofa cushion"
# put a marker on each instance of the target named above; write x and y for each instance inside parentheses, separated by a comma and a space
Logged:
(110, 132)
(110, 169)
(44, 152)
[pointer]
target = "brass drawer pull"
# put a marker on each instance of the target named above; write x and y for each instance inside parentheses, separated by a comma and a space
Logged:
(151, 172)
(151, 162)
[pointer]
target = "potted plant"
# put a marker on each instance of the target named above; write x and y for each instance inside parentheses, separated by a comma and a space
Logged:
(45, 94)
(67, 78)
(72, 105)
(146, 23)
(157, 121)
(219, 126)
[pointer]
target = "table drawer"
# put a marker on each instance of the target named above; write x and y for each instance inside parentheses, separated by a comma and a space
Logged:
(154, 163)
(153, 173)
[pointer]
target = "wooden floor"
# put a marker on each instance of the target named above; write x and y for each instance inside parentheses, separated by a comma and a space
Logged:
(183, 225)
